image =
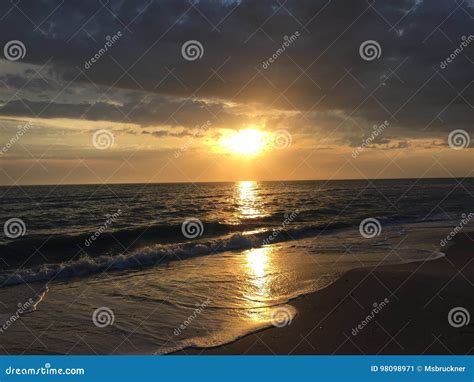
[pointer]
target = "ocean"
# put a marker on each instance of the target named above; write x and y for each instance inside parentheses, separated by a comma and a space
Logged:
(155, 268)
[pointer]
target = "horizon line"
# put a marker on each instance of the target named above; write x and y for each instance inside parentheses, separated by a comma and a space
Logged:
(231, 181)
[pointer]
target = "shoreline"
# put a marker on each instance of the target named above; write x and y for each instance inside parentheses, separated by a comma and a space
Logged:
(411, 316)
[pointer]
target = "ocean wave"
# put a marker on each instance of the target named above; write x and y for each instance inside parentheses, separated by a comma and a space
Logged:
(219, 237)
(154, 254)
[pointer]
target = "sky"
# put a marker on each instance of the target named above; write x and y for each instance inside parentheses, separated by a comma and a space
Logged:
(179, 91)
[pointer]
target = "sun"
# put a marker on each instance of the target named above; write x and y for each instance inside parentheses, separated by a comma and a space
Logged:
(247, 142)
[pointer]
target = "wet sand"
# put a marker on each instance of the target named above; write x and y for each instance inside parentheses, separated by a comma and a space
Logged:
(413, 321)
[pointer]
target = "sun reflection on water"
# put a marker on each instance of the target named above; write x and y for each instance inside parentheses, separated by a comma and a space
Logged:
(247, 199)
(258, 290)
(258, 264)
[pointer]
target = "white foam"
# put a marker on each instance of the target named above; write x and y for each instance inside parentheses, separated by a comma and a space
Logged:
(148, 256)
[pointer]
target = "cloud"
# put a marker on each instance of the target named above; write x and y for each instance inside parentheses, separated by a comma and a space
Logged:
(321, 77)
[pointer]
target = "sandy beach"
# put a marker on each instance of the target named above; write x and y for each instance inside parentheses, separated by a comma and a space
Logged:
(413, 302)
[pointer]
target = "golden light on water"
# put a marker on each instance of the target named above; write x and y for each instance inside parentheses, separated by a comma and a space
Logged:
(247, 142)
(247, 198)
(259, 284)
(257, 260)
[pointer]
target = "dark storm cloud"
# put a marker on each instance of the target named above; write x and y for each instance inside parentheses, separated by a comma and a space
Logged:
(166, 133)
(12, 81)
(320, 71)
(151, 110)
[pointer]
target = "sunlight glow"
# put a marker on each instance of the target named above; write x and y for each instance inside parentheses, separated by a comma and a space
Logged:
(257, 260)
(247, 198)
(248, 142)
(259, 280)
